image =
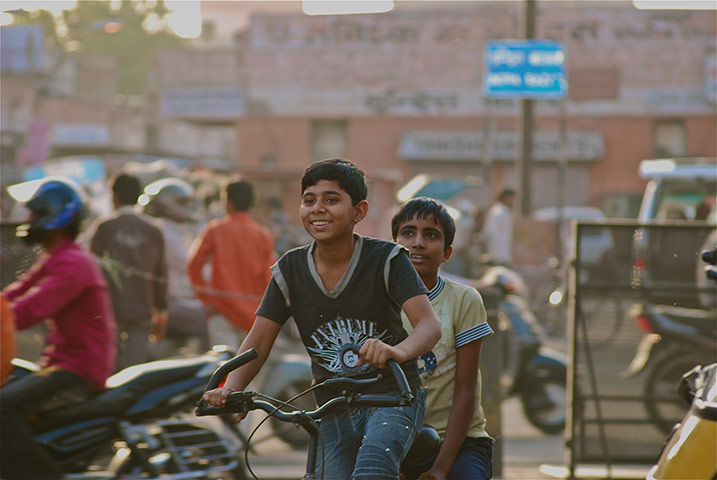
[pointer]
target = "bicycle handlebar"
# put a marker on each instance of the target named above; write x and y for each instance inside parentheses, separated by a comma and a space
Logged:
(244, 401)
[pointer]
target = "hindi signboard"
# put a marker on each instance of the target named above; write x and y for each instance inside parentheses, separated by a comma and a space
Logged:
(524, 69)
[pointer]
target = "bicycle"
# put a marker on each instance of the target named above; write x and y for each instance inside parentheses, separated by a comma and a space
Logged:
(246, 401)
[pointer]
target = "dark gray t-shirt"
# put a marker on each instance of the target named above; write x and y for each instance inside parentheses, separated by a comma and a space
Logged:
(366, 303)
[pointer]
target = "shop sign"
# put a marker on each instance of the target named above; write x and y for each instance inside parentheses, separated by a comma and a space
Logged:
(220, 103)
(80, 134)
(524, 69)
(469, 146)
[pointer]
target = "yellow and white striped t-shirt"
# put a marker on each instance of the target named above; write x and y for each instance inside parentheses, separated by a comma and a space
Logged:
(463, 320)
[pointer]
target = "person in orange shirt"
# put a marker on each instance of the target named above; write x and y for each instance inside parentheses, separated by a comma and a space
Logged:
(241, 252)
(7, 334)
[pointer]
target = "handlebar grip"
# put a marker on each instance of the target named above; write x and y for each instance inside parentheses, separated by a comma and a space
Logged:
(399, 376)
(711, 272)
(203, 409)
(229, 366)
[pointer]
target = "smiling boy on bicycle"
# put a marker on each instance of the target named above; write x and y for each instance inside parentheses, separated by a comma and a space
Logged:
(346, 292)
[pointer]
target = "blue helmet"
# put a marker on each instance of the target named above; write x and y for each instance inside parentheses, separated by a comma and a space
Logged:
(57, 203)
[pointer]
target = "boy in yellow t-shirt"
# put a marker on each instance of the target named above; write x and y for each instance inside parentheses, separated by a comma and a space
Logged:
(450, 371)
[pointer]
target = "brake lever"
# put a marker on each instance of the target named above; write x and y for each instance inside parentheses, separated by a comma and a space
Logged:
(353, 381)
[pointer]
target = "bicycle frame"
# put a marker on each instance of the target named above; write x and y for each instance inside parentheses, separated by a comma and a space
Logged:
(309, 420)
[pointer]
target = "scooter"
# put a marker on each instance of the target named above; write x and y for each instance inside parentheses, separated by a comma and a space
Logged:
(142, 425)
(537, 374)
(691, 448)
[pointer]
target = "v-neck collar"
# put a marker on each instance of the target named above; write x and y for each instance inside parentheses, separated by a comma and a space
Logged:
(348, 273)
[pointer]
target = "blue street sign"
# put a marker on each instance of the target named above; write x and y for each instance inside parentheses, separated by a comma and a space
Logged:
(524, 69)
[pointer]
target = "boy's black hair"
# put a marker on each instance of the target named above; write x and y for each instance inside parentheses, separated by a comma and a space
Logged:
(241, 195)
(350, 178)
(424, 207)
(126, 188)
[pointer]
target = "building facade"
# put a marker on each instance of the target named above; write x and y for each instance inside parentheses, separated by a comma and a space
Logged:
(401, 93)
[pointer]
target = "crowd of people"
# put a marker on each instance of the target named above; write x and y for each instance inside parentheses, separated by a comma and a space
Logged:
(146, 286)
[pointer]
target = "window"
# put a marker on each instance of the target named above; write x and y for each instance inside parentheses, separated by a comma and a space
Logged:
(328, 139)
(669, 139)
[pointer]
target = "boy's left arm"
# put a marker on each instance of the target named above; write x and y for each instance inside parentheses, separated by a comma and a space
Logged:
(426, 333)
(464, 399)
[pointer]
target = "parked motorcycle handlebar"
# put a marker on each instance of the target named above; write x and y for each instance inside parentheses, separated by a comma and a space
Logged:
(230, 366)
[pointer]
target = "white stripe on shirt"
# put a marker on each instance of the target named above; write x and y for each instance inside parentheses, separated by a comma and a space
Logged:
(474, 333)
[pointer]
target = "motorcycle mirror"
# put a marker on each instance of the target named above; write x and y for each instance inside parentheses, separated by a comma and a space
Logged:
(556, 297)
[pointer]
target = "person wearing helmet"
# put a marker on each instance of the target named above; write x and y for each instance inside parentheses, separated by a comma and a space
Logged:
(171, 201)
(66, 289)
(131, 250)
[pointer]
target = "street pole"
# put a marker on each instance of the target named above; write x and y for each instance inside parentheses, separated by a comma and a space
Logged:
(562, 171)
(487, 146)
(526, 159)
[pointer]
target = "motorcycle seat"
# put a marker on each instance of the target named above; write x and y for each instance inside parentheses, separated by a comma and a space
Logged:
(128, 385)
(705, 320)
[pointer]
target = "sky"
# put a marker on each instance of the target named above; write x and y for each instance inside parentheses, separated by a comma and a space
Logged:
(185, 18)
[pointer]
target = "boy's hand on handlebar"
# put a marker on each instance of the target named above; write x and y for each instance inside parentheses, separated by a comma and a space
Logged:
(376, 353)
(218, 398)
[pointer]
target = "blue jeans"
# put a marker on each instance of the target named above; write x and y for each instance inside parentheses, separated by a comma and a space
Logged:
(473, 462)
(368, 443)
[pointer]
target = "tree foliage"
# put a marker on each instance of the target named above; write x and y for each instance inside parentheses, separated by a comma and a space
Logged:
(130, 31)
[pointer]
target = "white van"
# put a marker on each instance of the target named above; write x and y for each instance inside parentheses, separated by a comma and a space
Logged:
(679, 189)
(680, 204)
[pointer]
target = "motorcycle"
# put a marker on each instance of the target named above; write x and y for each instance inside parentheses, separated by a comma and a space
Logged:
(675, 340)
(142, 425)
(535, 373)
(288, 372)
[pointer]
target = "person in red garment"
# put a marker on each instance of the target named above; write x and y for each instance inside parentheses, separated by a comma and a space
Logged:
(66, 289)
(241, 253)
(7, 334)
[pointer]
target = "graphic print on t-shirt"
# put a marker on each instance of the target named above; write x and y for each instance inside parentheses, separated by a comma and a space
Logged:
(427, 364)
(337, 343)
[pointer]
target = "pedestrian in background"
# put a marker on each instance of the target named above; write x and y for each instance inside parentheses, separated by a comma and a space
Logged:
(277, 221)
(131, 249)
(172, 204)
(498, 229)
(241, 252)
(469, 247)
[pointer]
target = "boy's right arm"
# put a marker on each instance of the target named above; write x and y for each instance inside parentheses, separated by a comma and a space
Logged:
(261, 337)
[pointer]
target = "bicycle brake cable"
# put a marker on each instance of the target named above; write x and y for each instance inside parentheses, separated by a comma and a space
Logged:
(268, 415)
